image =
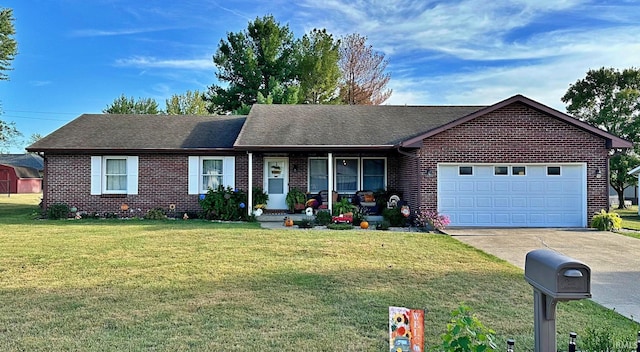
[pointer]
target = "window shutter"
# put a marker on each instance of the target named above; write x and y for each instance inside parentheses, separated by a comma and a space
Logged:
(194, 175)
(132, 175)
(229, 172)
(96, 175)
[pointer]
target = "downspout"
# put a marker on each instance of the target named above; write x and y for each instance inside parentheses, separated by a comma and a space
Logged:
(250, 182)
(330, 182)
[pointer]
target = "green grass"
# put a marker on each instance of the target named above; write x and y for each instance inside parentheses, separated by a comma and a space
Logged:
(630, 221)
(176, 286)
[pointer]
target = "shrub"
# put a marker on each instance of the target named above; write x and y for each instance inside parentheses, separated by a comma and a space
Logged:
(323, 217)
(259, 197)
(340, 226)
(465, 333)
(155, 214)
(305, 223)
(394, 216)
(383, 225)
(58, 211)
(224, 204)
(604, 221)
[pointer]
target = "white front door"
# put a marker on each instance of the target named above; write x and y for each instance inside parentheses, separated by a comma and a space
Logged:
(276, 181)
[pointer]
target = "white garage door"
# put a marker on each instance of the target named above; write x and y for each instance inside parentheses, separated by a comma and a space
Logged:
(513, 195)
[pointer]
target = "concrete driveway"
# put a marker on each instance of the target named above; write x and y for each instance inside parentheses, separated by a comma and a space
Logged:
(614, 259)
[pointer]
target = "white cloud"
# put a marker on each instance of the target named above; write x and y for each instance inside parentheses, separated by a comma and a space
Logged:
(152, 62)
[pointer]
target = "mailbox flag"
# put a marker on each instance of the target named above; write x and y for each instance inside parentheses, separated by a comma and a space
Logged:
(406, 329)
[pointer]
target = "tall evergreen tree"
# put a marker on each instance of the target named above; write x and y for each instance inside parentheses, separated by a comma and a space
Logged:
(318, 71)
(249, 61)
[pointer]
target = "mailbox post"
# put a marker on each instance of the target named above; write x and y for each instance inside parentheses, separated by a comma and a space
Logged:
(554, 277)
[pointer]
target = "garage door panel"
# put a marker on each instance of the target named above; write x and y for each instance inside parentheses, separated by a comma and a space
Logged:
(466, 186)
(484, 186)
(484, 202)
(532, 200)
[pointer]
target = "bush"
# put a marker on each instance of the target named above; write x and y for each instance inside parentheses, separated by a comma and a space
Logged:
(323, 217)
(340, 227)
(465, 333)
(604, 221)
(58, 211)
(305, 223)
(155, 214)
(431, 219)
(224, 204)
(383, 225)
(394, 216)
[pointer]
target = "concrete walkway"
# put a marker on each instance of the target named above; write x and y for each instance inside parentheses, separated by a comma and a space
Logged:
(614, 259)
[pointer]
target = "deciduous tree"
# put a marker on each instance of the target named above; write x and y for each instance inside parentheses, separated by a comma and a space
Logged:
(189, 103)
(364, 79)
(610, 99)
(124, 105)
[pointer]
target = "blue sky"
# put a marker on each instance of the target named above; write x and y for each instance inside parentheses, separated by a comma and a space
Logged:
(77, 56)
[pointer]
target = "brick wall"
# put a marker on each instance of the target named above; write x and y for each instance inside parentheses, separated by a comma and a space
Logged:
(162, 180)
(516, 134)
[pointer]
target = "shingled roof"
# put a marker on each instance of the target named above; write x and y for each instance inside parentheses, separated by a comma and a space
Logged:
(348, 126)
(142, 133)
(24, 160)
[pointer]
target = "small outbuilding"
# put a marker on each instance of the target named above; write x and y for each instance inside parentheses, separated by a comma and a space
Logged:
(21, 173)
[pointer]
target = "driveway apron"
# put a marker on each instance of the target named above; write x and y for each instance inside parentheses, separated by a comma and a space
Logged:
(614, 259)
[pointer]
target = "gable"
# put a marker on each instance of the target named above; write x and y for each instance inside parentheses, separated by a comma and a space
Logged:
(611, 140)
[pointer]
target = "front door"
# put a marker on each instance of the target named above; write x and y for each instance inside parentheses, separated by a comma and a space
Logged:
(276, 180)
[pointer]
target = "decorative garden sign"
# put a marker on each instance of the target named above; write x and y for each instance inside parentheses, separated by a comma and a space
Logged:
(406, 329)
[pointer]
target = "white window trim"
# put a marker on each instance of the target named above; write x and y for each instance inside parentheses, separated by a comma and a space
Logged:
(362, 172)
(195, 185)
(98, 178)
(338, 160)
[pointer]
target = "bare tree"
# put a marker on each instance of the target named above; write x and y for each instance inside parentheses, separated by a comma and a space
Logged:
(364, 80)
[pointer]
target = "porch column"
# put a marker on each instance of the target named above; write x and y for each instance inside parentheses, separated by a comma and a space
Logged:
(250, 186)
(330, 182)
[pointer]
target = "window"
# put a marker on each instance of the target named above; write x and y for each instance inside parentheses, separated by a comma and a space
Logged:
(350, 174)
(212, 175)
(373, 174)
(114, 175)
(518, 170)
(318, 175)
(465, 170)
(210, 172)
(500, 170)
(347, 175)
(553, 170)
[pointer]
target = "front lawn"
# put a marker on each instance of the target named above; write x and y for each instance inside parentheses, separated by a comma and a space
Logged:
(114, 285)
(630, 221)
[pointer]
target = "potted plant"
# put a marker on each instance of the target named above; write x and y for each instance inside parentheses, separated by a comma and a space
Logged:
(259, 198)
(343, 206)
(295, 199)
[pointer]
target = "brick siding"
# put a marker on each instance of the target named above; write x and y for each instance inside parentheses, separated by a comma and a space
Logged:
(513, 134)
(516, 134)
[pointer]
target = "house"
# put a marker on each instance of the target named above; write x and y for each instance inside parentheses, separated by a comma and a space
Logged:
(515, 163)
(20, 173)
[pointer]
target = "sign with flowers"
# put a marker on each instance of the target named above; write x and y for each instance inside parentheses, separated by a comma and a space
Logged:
(406, 329)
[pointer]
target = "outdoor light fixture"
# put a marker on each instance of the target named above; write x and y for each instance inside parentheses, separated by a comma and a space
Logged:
(295, 168)
(598, 173)
(428, 172)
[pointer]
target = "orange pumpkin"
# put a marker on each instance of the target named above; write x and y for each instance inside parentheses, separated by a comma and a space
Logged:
(288, 222)
(364, 225)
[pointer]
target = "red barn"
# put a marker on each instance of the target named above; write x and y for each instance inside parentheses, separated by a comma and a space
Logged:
(19, 179)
